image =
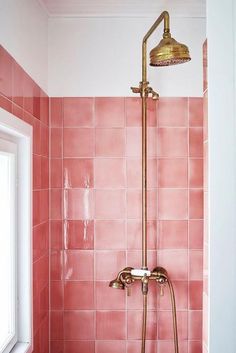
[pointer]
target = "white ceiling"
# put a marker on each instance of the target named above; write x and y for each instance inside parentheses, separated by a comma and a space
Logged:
(121, 8)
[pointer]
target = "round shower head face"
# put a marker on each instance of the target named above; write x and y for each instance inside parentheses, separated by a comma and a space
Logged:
(169, 52)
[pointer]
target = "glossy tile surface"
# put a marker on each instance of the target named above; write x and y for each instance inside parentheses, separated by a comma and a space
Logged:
(96, 220)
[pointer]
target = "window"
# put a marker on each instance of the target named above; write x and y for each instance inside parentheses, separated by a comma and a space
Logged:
(8, 330)
(15, 235)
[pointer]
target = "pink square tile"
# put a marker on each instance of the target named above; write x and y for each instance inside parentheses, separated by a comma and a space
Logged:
(196, 264)
(56, 234)
(173, 142)
(152, 141)
(195, 111)
(110, 142)
(205, 116)
(45, 172)
(152, 211)
(56, 295)
(135, 325)
(133, 107)
(44, 205)
(110, 235)
(196, 204)
(135, 346)
(175, 262)
(165, 326)
(78, 173)
(17, 89)
(196, 173)
(134, 234)
(79, 346)
(134, 204)
(109, 298)
(78, 204)
(205, 166)
(56, 142)
(111, 325)
(110, 204)
(36, 208)
(181, 296)
(79, 234)
(195, 325)
(133, 142)
(168, 346)
(134, 258)
(173, 173)
(36, 171)
(79, 325)
(173, 235)
(108, 264)
(78, 112)
(40, 240)
(6, 64)
(78, 142)
(196, 142)
(56, 204)
(78, 265)
(56, 173)
(195, 234)
(44, 335)
(109, 112)
(111, 346)
(109, 173)
(36, 135)
(135, 300)
(78, 295)
(40, 279)
(56, 325)
(134, 173)
(56, 265)
(173, 112)
(195, 295)
(195, 347)
(44, 140)
(173, 204)
(56, 112)
(55, 347)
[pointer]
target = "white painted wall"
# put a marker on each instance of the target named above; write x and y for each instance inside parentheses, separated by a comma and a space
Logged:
(102, 57)
(24, 34)
(221, 34)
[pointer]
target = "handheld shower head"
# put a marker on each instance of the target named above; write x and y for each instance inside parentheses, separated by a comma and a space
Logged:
(117, 284)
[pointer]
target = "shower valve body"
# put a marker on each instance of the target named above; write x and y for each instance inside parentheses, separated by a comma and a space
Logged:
(129, 275)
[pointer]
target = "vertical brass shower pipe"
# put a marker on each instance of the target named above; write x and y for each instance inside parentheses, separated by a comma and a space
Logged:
(144, 91)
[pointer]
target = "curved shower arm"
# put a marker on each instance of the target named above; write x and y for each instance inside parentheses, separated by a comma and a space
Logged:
(166, 17)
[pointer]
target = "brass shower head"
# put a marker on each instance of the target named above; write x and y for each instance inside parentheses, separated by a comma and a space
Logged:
(169, 52)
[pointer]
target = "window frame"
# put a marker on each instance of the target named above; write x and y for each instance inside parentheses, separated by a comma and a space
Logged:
(15, 130)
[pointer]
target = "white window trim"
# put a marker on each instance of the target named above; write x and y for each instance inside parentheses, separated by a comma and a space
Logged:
(22, 133)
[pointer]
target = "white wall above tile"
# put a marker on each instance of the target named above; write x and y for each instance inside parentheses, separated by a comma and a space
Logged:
(147, 8)
(102, 57)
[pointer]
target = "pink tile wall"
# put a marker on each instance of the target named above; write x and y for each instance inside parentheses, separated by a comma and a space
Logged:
(95, 222)
(205, 185)
(20, 95)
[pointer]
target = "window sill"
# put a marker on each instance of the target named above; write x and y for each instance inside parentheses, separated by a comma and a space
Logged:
(22, 348)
